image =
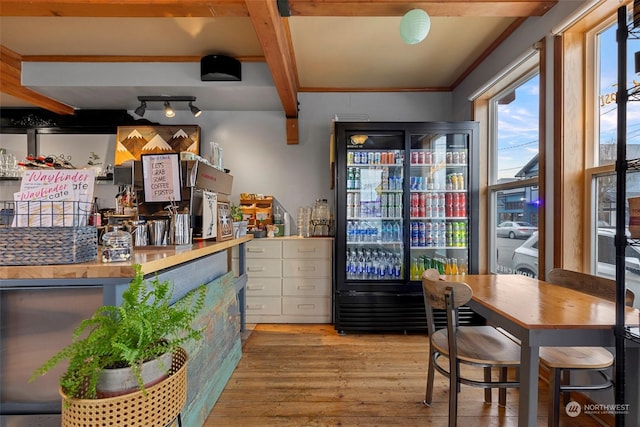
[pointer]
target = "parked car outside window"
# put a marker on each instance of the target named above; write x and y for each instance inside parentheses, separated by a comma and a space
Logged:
(515, 229)
(525, 260)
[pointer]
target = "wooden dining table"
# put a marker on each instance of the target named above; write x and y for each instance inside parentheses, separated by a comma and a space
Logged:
(542, 314)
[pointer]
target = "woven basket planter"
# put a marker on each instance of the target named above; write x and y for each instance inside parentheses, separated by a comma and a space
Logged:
(47, 245)
(159, 407)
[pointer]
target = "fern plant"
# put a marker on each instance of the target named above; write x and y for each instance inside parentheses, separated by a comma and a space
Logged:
(142, 328)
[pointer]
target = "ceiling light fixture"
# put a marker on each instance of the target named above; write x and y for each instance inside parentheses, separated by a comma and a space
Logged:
(169, 111)
(414, 26)
(141, 109)
(194, 110)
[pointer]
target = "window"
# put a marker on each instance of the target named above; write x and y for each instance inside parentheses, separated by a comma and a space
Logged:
(513, 175)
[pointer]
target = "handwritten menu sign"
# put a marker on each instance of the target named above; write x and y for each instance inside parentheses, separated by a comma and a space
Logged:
(161, 176)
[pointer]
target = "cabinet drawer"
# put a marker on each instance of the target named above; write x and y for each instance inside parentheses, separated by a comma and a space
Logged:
(263, 248)
(257, 286)
(307, 248)
(306, 286)
(316, 306)
(264, 267)
(263, 305)
(306, 268)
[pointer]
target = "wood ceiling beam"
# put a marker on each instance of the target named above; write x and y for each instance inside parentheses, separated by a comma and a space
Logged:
(11, 84)
(231, 8)
(494, 8)
(274, 38)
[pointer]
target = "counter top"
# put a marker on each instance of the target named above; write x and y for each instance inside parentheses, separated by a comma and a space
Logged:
(152, 259)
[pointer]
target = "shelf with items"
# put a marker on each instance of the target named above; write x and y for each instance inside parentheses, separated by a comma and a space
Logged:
(256, 209)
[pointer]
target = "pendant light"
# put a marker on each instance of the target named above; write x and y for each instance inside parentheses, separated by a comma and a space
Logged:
(414, 26)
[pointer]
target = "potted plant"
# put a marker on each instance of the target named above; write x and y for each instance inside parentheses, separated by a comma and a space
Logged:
(144, 327)
(239, 225)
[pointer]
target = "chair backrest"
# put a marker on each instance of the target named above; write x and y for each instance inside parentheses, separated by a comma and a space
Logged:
(589, 284)
(437, 293)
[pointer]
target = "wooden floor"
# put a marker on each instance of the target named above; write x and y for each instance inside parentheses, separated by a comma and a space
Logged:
(308, 375)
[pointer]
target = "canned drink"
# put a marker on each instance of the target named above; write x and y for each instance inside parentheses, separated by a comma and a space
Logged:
(350, 210)
(422, 211)
(462, 201)
(356, 204)
(422, 200)
(449, 157)
(414, 157)
(429, 157)
(422, 234)
(391, 157)
(428, 212)
(441, 200)
(463, 157)
(350, 157)
(455, 156)
(371, 158)
(398, 199)
(414, 233)
(421, 157)
(377, 158)
(428, 199)
(384, 158)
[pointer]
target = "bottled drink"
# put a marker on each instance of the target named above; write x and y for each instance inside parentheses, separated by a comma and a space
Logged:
(397, 231)
(415, 275)
(350, 179)
(454, 267)
(356, 178)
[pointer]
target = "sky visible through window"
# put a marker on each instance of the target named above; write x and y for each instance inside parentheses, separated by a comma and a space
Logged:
(608, 87)
(518, 129)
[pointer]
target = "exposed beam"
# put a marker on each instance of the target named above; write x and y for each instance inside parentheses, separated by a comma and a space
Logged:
(270, 30)
(11, 84)
(229, 8)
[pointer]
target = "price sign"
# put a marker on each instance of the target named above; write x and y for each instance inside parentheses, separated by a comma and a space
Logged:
(161, 177)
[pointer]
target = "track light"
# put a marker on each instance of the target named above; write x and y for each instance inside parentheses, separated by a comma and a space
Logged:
(194, 110)
(169, 111)
(141, 109)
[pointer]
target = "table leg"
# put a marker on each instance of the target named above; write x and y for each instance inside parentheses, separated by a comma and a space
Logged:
(528, 403)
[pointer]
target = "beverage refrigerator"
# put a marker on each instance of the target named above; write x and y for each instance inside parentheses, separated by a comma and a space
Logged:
(405, 198)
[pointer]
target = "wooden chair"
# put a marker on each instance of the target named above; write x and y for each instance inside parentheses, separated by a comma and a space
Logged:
(479, 346)
(561, 361)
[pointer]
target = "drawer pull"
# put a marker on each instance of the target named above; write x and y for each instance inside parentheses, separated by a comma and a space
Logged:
(307, 268)
(306, 287)
(303, 250)
(255, 287)
(255, 306)
(306, 306)
(256, 250)
(255, 268)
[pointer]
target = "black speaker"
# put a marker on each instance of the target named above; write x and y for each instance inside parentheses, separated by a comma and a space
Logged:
(214, 68)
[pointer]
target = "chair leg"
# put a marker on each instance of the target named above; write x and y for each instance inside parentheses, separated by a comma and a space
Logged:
(487, 391)
(554, 397)
(454, 385)
(502, 392)
(566, 379)
(428, 398)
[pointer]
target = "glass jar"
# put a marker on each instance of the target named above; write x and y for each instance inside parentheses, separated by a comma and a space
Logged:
(117, 245)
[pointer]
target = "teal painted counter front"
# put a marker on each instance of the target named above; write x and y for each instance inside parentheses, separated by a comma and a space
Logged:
(212, 360)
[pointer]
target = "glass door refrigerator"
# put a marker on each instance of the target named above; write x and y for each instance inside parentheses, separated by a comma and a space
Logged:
(404, 194)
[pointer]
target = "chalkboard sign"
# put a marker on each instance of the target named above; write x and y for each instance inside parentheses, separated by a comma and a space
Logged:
(161, 177)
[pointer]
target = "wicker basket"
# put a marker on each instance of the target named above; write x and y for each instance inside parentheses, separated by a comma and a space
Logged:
(160, 407)
(47, 245)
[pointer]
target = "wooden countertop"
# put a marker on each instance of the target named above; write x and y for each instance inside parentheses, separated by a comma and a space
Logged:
(152, 259)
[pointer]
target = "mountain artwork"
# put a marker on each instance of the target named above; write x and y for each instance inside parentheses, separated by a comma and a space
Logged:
(133, 141)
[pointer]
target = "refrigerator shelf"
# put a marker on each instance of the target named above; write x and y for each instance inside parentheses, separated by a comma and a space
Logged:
(439, 164)
(377, 242)
(441, 218)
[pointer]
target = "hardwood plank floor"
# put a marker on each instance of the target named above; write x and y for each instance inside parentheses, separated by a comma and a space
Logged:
(308, 375)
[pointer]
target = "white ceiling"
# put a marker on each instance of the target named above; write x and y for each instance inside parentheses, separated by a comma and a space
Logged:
(328, 53)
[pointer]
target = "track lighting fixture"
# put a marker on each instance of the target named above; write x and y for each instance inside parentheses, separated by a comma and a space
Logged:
(194, 110)
(141, 109)
(169, 111)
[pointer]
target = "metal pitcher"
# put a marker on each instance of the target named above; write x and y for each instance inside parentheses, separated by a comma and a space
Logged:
(157, 229)
(180, 229)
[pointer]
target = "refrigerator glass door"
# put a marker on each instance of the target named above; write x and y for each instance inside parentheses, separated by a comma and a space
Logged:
(438, 203)
(375, 214)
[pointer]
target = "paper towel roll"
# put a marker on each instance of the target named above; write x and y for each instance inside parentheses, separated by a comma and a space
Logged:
(287, 224)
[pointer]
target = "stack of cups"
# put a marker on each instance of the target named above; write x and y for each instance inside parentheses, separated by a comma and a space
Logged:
(304, 218)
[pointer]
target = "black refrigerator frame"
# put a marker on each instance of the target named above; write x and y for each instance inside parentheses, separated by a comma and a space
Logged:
(395, 305)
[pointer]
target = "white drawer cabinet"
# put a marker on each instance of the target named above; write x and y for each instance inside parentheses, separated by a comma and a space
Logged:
(289, 280)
